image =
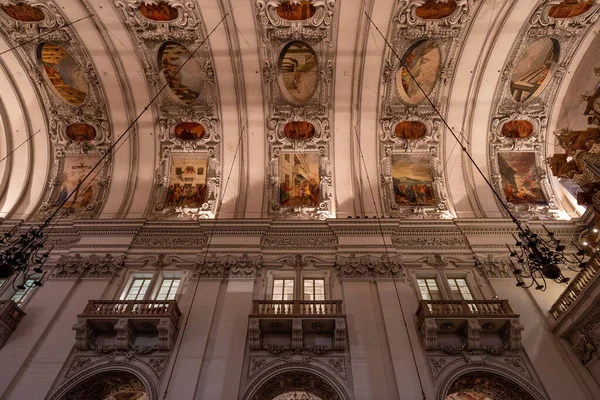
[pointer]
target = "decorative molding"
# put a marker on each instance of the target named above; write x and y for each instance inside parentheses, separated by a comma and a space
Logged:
(298, 241)
(91, 267)
(276, 33)
(158, 240)
(27, 37)
(229, 266)
(188, 31)
(567, 32)
(370, 267)
(448, 35)
(430, 241)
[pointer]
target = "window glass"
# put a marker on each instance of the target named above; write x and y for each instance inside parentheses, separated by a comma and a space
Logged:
(137, 289)
(429, 289)
(21, 295)
(283, 289)
(459, 288)
(314, 289)
(168, 289)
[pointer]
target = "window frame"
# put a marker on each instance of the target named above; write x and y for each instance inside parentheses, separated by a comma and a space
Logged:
(159, 286)
(298, 276)
(425, 278)
(313, 279)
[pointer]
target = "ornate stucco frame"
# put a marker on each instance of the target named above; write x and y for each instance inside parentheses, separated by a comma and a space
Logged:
(317, 32)
(406, 30)
(189, 31)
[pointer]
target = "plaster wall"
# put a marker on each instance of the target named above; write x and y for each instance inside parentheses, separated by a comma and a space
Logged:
(41, 367)
(546, 354)
(222, 365)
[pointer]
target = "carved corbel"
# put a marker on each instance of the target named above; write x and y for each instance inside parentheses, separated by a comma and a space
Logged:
(125, 334)
(85, 334)
(254, 334)
(472, 331)
(429, 335)
(339, 335)
(297, 335)
(511, 335)
(166, 334)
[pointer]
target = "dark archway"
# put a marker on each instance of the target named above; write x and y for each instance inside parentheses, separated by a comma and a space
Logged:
(120, 385)
(296, 381)
(493, 386)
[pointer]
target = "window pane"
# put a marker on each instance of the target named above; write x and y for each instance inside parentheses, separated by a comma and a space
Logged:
(168, 289)
(278, 289)
(460, 289)
(138, 288)
(288, 289)
(309, 289)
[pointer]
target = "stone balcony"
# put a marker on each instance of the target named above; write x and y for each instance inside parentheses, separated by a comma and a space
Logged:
(277, 326)
(10, 315)
(456, 325)
(576, 315)
(108, 325)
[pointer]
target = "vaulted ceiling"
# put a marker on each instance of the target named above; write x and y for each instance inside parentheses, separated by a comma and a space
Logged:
(300, 110)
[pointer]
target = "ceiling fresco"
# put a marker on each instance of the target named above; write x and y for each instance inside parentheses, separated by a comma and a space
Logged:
(187, 111)
(68, 86)
(416, 70)
(540, 58)
(312, 121)
(298, 59)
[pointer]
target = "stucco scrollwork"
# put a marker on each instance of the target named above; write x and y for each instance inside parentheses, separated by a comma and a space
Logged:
(92, 266)
(299, 127)
(405, 104)
(323, 13)
(232, 266)
(370, 267)
(180, 111)
(187, 18)
(64, 108)
(514, 100)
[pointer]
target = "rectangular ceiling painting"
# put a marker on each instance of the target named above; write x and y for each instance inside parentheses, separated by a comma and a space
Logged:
(74, 171)
(299, 180)
(187, 183)
(520, 178)
(411, 174)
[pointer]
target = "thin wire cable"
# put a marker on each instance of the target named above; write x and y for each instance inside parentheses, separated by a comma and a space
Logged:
(208, 243)
(17, 148)
(44, 34)
(464, 149)
(387, 255)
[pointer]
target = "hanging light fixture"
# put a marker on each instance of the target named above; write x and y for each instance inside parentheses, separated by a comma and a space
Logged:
(23, 254)
(536, 258)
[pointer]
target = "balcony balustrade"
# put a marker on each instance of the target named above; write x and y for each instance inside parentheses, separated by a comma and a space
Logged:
(297, 308)
(10, 315)
(276, 326)
(106, 325)
(453, 323)
(577, 285)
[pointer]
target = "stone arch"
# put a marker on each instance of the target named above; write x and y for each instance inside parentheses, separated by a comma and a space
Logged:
(495, 382)
(278, 381)
(126, 376)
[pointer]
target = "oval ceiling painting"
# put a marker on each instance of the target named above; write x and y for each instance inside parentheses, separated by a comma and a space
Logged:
(570, 8)
(298, 72)
(23, 12)
(296, 11)
(63, 73)
(411, 130)
(534, 69)
(189, 131)
(518, 129)
(81, 132)
(435, 9)
(160, 11)
(299, 130)
(185, 86)
(423, 60)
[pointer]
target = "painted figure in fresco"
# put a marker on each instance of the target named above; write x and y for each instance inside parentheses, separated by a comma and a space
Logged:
(436, 9)
(186, 195)
(87, 197)
(295, 12)
(62, 196)
(284, 194)
(23, 12)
